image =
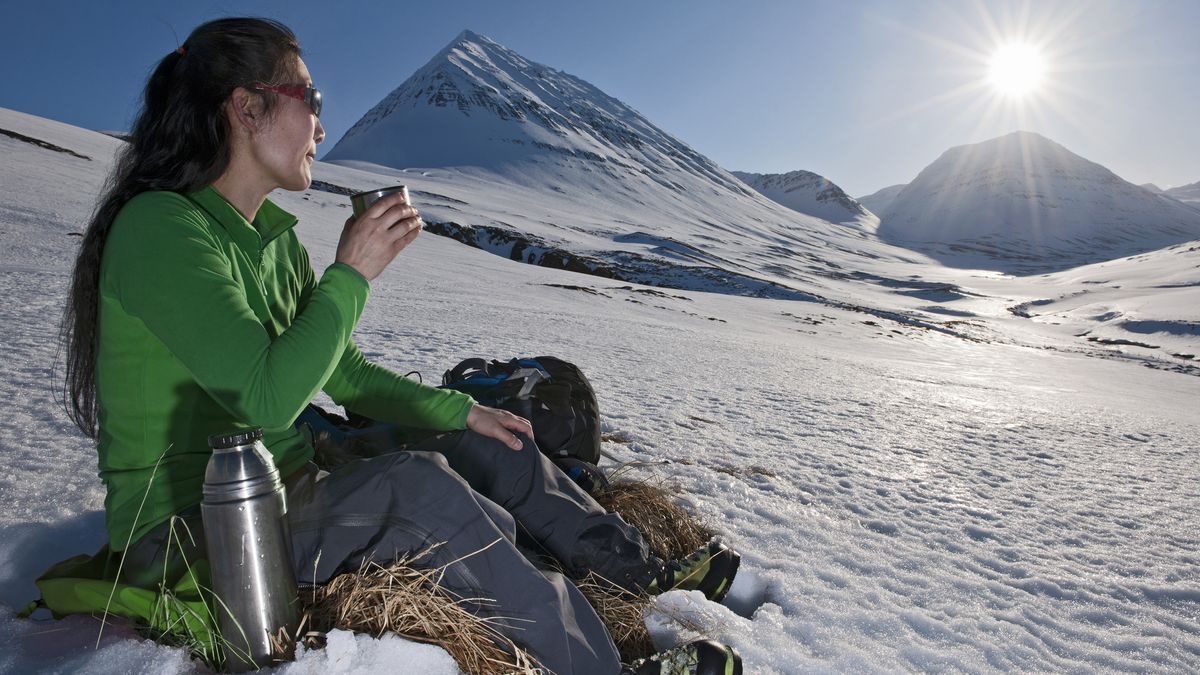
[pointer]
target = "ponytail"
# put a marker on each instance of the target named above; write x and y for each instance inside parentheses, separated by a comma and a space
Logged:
(179, 142)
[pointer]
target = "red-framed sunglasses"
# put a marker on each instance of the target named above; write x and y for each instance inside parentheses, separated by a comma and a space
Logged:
(300, 92)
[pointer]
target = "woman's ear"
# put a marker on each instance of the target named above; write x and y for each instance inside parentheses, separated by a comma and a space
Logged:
(246, 109)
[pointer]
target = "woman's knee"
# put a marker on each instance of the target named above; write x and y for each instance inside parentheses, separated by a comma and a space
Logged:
(485, 450)
(425, 469)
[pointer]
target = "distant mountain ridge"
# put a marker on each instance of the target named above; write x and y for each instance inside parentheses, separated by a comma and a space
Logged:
(878, 202)
(806, 192)
(1027, 203)
(1185, 193)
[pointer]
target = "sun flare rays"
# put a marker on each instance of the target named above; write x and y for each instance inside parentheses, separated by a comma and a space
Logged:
(1002, 68)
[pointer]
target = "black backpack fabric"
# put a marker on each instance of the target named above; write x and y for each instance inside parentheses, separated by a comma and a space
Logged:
(551, 393)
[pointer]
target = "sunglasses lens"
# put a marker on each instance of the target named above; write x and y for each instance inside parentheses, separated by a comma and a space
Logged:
(314, 100)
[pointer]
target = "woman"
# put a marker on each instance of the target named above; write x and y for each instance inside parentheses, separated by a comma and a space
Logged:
(194, 311)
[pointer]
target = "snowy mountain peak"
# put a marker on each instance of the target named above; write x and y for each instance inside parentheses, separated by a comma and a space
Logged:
(468, 35)
(806, 192)
(471, 51)
(1013, 152)
(1024, 202)
(478, 103)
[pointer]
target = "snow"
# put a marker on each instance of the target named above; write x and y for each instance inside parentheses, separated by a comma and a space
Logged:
(349, 652)
(1189, 194)
(806, 192)
(70, 646)
(918, 477)
(879, 201)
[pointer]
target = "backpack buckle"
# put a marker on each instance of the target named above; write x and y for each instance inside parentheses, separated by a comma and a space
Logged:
(532, 376)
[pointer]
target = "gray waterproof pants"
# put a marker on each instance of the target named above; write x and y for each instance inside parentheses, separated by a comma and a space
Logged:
(470, 494)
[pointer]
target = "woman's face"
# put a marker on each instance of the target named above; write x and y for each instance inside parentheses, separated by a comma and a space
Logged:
(286, 147)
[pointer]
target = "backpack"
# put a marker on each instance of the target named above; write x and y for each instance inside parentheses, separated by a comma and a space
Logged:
(551, 393)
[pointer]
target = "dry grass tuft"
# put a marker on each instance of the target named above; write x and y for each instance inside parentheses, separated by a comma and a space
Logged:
(622, 613)
(408, 601)
(669, 530)
(667, 527)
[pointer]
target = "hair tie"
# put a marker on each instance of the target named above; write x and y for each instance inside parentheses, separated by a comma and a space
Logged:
(179, 51)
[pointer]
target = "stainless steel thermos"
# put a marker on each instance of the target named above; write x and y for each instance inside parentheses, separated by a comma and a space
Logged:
(249, 549)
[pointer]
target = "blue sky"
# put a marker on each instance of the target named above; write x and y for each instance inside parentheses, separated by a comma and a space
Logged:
(866, 93)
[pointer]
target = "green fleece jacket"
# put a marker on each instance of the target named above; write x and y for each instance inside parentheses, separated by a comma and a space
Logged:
(210, 324)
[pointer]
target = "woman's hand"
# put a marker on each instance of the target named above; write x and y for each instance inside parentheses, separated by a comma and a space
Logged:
(499, 424)
(371, 241)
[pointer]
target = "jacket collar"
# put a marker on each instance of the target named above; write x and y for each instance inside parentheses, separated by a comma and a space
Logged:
(270, 221)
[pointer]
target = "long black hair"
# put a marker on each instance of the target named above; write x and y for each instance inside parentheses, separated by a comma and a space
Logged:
(179, 142)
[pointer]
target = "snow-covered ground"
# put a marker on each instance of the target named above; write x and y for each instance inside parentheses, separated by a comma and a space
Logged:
(981, 490)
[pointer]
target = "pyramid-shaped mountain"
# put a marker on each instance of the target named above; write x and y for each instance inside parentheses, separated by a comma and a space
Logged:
(479, 104)
(1027, 204)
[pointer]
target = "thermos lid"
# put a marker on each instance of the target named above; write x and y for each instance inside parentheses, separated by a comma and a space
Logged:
(234, 439)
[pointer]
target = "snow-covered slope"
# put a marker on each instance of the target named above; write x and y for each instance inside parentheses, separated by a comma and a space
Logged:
(936, 475)
(1186, 193)
(601, 187)
(806, 192)
(879, 201)
(1024, 203)
(1144, 303)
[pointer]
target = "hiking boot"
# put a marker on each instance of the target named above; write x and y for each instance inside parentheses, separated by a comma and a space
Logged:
(709, 570)
(703, 657)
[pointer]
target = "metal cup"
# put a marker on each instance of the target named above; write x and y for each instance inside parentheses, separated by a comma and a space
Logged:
(363, 200)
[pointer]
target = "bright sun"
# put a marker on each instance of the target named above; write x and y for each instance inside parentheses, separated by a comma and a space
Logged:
(1016, 70)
